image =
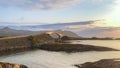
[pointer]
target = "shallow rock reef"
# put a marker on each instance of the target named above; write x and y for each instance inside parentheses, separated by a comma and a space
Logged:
(11, 65)
(104, 63)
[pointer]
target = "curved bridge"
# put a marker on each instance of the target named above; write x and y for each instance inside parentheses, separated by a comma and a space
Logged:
(58, 34)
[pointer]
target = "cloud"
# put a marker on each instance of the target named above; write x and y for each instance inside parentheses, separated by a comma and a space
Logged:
(42, 4)
(37, 4)
(82, 23)
(72, 26)
(86, 24)
(85, 29)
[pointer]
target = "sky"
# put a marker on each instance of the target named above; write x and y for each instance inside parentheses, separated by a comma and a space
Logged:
(93, 17)
(59, 11)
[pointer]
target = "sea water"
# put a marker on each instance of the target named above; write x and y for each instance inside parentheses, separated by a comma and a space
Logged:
(48, 59)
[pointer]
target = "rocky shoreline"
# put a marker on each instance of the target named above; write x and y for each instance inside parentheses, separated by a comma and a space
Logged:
(104, 63)
(11, 65)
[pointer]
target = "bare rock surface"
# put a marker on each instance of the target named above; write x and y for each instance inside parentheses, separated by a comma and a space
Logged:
(104, 63)
(11, 65)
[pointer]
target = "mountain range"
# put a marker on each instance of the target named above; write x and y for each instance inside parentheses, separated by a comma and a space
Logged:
(6, 31)
(84, 29)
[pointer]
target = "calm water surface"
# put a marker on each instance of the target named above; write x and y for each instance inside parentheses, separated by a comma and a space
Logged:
(47, 59)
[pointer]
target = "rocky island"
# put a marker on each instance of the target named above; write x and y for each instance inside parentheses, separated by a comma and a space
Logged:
(71, 48)
(104, 63)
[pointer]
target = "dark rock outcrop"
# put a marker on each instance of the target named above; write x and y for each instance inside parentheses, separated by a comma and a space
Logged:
(104, 63)
(74, 48)
(10, 65)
